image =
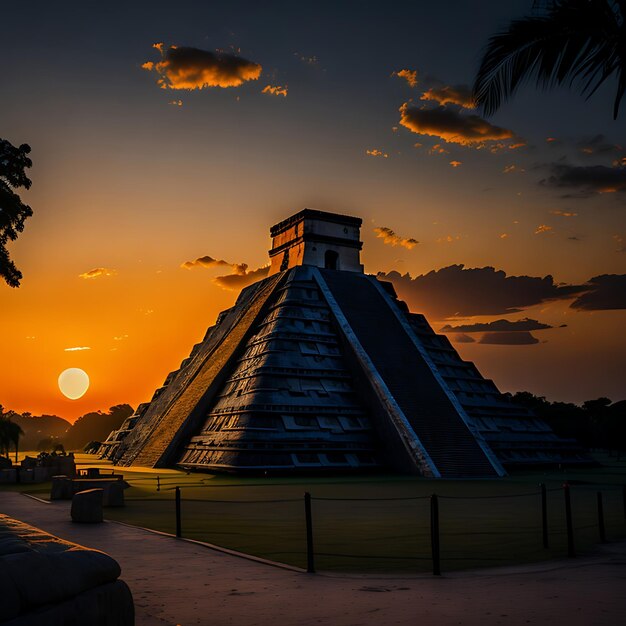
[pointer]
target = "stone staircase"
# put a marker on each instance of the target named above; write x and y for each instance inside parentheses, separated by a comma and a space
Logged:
(432, 415)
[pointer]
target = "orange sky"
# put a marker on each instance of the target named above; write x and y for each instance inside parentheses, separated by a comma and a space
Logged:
(371, 119)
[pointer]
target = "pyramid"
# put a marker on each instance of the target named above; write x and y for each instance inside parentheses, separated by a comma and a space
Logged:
(319, 367)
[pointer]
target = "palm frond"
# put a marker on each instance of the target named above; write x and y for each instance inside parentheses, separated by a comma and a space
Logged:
(576, 41)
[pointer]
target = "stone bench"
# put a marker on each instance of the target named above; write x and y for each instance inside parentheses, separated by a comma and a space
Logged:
(46, 580)
(87, 506)
(64, 488)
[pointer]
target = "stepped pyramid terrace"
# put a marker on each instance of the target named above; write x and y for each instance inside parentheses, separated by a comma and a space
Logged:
(319, 367)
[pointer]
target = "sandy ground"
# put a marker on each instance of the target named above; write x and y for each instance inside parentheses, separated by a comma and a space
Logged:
(176, 582)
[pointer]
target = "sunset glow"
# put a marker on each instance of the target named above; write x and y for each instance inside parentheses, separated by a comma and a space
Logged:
(151, 213)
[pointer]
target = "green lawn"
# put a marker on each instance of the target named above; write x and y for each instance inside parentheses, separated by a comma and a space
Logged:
(376, 523)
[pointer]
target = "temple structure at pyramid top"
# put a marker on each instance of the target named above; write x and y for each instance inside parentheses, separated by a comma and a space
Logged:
(316, 238)
(319, 367)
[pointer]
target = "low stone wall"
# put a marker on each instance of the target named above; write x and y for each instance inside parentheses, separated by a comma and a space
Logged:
(45, 580)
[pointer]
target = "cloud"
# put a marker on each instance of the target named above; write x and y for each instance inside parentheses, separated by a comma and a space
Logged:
(542, 228)
(461, 338)
(241, 279)
(509, 169)
(458, 292)
(375, 152)
(523, 325)
(509, 339)
(456, 163)
(76, 349)
(597, 145)
(564, 213)
(98, 272)
(604, 293)
(389, 237)
(276, 90)
(409, 75)
(448, 239)
(451, 125)
(588, 180)
(308, 59)
(208, 262)
(461, 95)
(192, 68)
(619, 240)
(176, 103)
(436, 149)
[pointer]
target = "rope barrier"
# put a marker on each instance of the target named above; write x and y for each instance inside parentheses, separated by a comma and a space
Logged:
(240, 501)
(373, 556)
(512, 495)
(369, 499)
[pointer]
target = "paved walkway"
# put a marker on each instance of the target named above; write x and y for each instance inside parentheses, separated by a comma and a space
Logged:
(176, 582)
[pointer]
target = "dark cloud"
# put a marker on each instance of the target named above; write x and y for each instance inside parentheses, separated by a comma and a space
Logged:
(461, 95)
(509, 339)
(192, 68)
(461, 338)
(597, 145)
(241, 280)
(588, 180)
(523, 325)
(605, 293)
(451, 125)
(458, 292)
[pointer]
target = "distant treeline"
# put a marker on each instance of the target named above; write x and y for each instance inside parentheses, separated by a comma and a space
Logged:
(597, 423)
(44, 432)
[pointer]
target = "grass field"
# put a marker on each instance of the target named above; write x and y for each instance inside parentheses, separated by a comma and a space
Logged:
(376, 523)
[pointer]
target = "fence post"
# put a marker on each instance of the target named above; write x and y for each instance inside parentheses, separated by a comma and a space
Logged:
(310, 560)
(158, 483)
(434, 534)
(568, 520)
(179, 532)
(624, 499)
(544, 514)
(601, 529)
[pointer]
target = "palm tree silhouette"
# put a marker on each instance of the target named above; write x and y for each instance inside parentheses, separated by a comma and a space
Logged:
(10, 433)
(563, 42)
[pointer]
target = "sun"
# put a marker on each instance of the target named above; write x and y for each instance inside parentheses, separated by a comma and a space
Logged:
(73, 383)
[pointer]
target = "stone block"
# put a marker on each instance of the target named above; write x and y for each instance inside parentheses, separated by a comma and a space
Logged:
(114, 494)
(61, 488)
(87, 506)
(45, 580)
(27, 476)
(8, 476)
(41, 474)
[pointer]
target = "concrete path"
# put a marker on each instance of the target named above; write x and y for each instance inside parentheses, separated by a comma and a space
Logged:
(175, 582)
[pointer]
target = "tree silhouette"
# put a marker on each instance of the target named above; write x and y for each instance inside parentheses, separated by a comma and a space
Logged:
(10, 433)
(13, 212)
(569, 41)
